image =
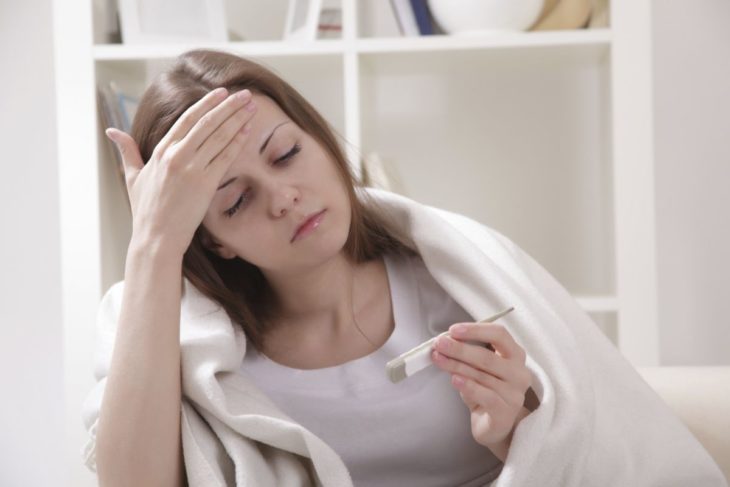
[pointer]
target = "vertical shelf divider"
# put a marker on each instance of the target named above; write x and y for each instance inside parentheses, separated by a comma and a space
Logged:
(634, 213)
(351, 79)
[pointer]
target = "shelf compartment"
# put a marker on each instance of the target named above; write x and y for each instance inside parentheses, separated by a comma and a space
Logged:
(317, 77)
(520, 146)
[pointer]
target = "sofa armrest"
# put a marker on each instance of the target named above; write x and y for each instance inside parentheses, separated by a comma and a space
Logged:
(700, 397)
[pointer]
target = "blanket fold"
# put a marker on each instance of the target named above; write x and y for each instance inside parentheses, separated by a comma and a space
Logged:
(598, 423)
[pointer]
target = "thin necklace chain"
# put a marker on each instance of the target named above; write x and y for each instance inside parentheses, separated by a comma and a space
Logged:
(352, 307)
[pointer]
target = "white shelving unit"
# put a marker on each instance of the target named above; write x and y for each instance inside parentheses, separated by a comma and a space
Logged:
(545, 136)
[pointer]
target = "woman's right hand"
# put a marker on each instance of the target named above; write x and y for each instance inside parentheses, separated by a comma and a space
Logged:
(172, 192)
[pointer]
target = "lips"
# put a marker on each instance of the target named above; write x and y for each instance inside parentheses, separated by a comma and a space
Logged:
(306, 222)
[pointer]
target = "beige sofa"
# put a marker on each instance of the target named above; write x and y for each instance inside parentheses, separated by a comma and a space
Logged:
(700, 396)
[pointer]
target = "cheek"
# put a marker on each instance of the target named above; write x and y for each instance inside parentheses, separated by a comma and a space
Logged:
(258, 240)
(327, 174)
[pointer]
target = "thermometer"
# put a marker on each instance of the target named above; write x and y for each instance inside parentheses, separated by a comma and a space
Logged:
(419, 357)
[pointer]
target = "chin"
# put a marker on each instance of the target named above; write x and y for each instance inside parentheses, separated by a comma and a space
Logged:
(333, 241)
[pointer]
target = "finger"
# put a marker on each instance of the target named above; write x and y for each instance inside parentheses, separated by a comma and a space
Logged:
(220, 163)
(208, 125)
(225, 135)
(493, 333)
(190, 117)
(476, 395)
(510, 392)
(131, 158)
(476, 356)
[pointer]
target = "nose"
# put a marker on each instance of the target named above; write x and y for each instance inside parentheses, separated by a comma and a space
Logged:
(284, 198)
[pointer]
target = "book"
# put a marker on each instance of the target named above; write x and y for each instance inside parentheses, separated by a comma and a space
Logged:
(117, 110)
(330, 23)
(423, 17)
(119, 107)
(406, 17)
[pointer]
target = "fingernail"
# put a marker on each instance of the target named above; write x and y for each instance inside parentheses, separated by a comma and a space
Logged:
(109, 133)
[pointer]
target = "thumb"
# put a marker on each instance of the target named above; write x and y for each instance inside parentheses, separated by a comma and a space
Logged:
(131, 157)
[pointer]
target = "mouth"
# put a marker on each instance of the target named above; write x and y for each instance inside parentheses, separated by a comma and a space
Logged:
(308, 225)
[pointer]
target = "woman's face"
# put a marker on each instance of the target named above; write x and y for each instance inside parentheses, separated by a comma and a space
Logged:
(255, 215)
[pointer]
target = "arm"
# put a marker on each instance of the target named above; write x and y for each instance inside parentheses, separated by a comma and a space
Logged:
(138, 439)
(501, 449)
(138, 436)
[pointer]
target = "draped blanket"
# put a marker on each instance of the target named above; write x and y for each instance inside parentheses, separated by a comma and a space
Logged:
(598, 423)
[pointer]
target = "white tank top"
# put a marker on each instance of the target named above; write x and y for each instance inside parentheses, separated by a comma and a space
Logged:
(413, 433)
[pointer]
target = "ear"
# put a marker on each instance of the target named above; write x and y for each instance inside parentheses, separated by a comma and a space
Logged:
(212, 244)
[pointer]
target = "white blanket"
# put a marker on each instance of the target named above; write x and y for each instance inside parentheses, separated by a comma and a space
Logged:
(598, 423)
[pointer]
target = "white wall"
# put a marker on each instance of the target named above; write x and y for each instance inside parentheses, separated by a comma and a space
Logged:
(692, 137)
(31, 360)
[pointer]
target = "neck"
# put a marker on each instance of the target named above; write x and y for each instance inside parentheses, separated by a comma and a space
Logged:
(321, 302)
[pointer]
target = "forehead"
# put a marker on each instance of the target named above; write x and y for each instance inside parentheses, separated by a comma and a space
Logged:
(268, 115)
(266, 109)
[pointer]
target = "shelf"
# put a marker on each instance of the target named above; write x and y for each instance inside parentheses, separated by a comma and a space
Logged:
(585, 42)
(122, 52)
(599, 39)
(531, 51)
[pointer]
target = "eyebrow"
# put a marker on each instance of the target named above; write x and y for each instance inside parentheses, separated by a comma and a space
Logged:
(261, 150)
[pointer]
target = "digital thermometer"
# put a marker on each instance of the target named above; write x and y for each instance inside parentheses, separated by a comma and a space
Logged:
(418, 358)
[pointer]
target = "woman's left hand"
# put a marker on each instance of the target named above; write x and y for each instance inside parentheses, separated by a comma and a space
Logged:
(492, 384)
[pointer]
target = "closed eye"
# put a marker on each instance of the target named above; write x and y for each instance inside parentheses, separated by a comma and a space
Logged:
(282, 161)
(294, 150)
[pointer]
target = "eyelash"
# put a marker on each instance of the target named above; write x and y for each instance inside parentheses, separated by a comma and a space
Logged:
(281, 161)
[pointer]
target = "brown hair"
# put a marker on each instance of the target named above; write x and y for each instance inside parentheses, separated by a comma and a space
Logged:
(239, 286)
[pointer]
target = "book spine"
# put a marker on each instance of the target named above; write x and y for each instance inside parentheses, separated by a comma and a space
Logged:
(330, 24)
(423, 17)
(111, 117)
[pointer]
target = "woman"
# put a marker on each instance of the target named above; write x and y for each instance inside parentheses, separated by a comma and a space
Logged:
(232, 175)
(247, 194)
